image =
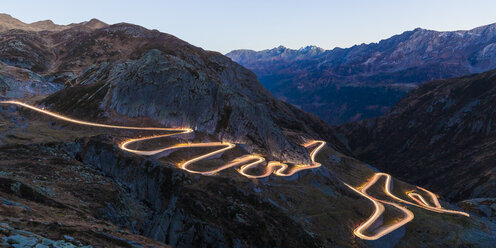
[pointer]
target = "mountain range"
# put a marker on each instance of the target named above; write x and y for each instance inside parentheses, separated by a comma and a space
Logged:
(348, 84)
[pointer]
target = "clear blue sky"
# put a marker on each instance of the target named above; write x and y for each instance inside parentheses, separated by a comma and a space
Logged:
(224, 25)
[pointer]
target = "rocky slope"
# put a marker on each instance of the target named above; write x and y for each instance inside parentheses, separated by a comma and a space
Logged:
(362, 81)
(18, 83)
(440, 135)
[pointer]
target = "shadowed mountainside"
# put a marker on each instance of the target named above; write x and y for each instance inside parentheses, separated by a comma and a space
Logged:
(440, 136)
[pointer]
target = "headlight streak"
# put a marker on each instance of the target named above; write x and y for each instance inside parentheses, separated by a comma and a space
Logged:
(379, 208)
(250, 161)
(378, 211)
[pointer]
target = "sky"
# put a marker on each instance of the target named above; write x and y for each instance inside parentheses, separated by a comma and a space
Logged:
(225, 25)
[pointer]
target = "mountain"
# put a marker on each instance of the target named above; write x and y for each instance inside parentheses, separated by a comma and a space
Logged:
(441, 136)
(122, 68)
(69, 182)
(343, 85)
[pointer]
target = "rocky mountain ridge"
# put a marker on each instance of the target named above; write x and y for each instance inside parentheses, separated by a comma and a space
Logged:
(347, 84)
(8, 22)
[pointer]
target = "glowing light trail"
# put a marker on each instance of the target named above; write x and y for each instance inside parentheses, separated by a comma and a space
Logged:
(379, 207)
(378, 211)
(270, 168)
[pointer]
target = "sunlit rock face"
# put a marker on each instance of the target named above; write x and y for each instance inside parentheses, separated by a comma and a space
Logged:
(342, 85)
(440, 135)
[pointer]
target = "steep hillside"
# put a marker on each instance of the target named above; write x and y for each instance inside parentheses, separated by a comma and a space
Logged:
(158, 76)
(363, 81)
(441, 136)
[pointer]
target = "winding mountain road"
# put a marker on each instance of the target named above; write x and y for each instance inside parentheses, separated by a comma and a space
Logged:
(240, 161)
(361, 231)
(277, 168)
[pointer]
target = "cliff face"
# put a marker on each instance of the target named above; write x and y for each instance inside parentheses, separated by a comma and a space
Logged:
(440, 135)
(366, 80)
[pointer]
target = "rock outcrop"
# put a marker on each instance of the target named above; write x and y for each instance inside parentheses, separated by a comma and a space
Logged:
(17, 83)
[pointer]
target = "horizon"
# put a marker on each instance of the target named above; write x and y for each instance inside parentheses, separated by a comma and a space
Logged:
(291, 25)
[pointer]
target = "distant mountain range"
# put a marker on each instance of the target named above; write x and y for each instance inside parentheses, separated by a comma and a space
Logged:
(343, 85)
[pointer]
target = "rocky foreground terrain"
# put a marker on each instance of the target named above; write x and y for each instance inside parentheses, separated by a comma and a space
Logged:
(363, 81)
(441, 136)
(66, 185)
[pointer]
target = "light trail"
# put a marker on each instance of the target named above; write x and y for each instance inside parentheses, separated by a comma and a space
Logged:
(251, 161)
(378, 211)
(379, 207)
(437, 209)
(240, 161)
(86, 123)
